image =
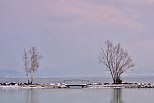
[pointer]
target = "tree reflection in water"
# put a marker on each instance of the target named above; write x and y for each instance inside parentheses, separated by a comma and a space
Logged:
(117, 96)
(31, 96)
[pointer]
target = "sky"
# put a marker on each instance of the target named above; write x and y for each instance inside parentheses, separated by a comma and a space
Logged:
(70, 33)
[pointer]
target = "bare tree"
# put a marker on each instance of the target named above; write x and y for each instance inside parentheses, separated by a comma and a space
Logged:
(116, 59)
(26, 63)
(31, 62)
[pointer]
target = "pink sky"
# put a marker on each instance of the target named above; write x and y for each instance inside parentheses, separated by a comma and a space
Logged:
(70, 32)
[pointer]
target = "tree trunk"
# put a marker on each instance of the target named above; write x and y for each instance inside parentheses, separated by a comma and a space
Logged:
(32, 77)
(117, 80)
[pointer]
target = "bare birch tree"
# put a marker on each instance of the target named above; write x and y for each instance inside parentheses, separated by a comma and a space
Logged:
(31, 62)
(116, 59)
(26, 63)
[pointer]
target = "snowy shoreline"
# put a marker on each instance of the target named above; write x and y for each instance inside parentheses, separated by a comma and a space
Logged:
(15, 85)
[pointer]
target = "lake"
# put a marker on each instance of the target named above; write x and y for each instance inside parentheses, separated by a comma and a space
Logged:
(86, 95)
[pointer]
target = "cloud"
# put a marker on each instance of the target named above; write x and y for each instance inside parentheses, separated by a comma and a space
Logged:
(140, 1)
(148, 1)
(93, 12)
(146, 44)
(71, 11)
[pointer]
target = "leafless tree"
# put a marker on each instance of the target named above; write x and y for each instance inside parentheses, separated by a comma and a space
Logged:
(31, 62)
(26, 63)
(116, 59)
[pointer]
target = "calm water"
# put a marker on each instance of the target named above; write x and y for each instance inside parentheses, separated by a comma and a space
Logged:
(128, 95)
(77, 95)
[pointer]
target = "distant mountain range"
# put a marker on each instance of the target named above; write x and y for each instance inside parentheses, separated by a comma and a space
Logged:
(84, 69)
(65, 73)
(10, 74)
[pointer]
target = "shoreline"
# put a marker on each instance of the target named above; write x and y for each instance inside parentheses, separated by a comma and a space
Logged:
(14, 85)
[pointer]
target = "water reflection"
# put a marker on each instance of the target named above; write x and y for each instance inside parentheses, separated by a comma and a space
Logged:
(31, 96)
(117, 96)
